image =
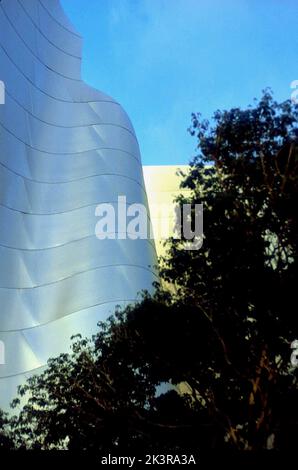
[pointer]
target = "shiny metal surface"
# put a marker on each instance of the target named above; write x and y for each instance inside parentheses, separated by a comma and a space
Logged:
(64, 148)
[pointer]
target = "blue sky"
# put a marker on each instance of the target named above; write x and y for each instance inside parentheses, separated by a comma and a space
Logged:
(163, 59)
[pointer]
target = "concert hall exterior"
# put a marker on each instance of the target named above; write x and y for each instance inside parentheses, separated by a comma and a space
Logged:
(64, 149)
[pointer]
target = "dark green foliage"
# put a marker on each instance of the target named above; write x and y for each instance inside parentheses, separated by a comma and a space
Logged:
(6, 441)
(243, 279)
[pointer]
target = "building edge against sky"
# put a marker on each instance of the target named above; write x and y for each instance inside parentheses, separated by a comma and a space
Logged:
(64, 149)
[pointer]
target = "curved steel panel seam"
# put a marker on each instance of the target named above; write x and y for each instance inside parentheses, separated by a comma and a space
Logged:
(77, 274)
(67, 315)
(45, 154)
(127, 301)
(48, 94)
(45, 36)
(12, 16)
(68, 243)
(68, 181)
(71, 127)
(85, 307)
(5, 377)
(66, 211)
(56, 21)
(66, 153)
(34, 55)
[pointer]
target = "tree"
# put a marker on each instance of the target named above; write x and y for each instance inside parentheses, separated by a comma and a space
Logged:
(243, 279)
(102, 397)
(6, 441)
(220, 336)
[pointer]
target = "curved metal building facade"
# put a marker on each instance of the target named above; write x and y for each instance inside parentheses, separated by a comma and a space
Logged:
(64, 148)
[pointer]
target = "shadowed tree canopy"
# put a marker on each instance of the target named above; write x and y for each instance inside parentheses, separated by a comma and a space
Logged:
(205, 363)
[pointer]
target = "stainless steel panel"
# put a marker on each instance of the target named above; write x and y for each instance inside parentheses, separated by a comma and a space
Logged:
(64, 149)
